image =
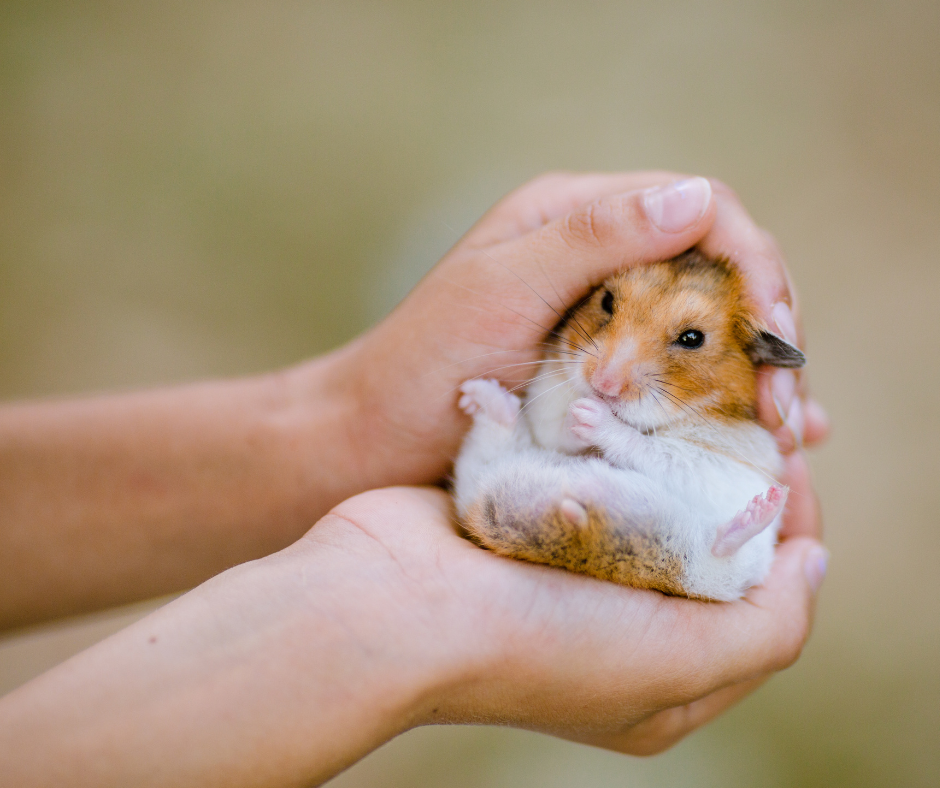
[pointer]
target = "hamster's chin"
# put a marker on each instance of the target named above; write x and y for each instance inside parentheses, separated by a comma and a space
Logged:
(645, 414)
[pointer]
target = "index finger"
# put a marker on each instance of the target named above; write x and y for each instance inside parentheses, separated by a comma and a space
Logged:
(551, 196)
(802, 516)
(730, 643)
(736, 236)
(782, 403)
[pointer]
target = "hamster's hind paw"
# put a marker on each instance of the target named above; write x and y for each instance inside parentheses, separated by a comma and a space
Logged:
(573, 512)
(490, 398)
(748, 523)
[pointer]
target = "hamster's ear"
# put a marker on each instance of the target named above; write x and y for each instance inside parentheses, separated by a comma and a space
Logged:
(767, 348)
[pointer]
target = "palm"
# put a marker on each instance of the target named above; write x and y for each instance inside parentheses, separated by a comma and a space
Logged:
(488, 307)
(616, 667)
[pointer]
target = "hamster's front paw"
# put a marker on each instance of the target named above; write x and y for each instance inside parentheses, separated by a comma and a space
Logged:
(490, 398)
(587, 418)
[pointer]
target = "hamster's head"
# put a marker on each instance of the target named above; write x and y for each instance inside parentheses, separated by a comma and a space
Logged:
(672, 341)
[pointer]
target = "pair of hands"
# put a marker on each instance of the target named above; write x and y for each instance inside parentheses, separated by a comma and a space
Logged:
(486, 308)
(624, 669)
(287, 669)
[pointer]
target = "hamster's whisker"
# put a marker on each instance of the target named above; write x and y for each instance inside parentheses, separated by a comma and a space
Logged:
(569, 381)
(553, 374)
(474, 358)
(548, 331)
(564, 351)
(488, 373)
(584, 331)
(706, 423)
(683, 404)
(571, 343)
(537, 293)
(657, 401)
(572, 312)
(667, 383)
(520, 364)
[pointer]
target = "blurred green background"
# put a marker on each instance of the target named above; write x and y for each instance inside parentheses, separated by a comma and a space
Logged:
(192, 189)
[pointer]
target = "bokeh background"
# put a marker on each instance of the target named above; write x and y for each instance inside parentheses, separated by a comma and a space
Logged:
(194, 189)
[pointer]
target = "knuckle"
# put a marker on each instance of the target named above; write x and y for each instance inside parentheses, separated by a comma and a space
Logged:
(590, 226)
(546, 180)
(721, 188)
(659, 733)
(791, 645)
(768, 247)
(648, 747)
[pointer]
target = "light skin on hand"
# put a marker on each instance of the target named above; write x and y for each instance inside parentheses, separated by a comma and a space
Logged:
(489, 303)
(286, 669)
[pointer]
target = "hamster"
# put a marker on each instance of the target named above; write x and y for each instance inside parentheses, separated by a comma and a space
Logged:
(635, 454)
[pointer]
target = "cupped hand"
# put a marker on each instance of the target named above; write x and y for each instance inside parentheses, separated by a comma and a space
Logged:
(488, 306)
(505, 642)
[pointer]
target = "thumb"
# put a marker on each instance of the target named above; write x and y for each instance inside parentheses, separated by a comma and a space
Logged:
(782, 608)
(768, 628)
(576, 252)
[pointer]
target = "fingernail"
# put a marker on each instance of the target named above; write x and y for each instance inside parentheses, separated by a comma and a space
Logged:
(783, 318)
(782, 389)
(679, 205)
(814, 567)
(795, 421)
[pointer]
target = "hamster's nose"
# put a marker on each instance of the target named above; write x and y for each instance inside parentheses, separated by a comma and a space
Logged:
(606, 381)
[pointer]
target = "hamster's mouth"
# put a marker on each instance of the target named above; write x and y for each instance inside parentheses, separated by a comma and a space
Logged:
(616, 405)
(644, 420)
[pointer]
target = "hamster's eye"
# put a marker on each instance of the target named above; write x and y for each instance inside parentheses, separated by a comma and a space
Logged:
(691, 339)
(607, 302)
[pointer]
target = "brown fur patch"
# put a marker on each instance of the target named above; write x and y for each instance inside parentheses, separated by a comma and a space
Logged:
(600, 548)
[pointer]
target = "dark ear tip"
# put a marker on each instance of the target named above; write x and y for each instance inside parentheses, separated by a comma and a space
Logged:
(768, 348)
(791, 363)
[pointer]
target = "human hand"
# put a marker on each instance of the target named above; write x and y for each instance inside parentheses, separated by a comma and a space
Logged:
(285, 670)
(629, 670)
(488, 306)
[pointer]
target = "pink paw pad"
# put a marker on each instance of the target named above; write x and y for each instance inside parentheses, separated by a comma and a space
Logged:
(760, 512)
(585, 416)
(489, 397)
(574, 512)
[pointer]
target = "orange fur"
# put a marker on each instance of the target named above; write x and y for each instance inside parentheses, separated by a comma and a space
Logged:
(633, 344)
(598, 548)
(662, 300)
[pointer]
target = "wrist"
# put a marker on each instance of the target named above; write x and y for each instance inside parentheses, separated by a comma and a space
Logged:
(418, 645)
(388, 641)
(315, 411)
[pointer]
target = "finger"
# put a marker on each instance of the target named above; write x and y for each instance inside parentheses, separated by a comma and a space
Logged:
(781, 610)
(665, 728)
(570, 255)
(764, 632)
(784, 407)
(780, 407)
(817, 426)
(553, 195)
(735, 235)
(802, 516)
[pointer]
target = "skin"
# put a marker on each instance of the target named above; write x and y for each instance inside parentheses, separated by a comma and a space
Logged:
(286, 669)
(110, 500)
